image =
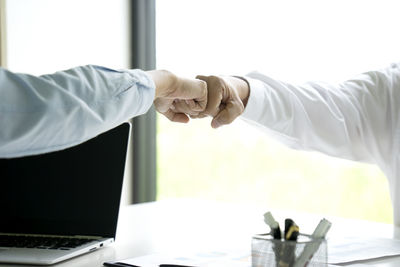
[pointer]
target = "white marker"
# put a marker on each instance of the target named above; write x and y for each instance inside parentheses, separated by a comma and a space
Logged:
(274, 225)
(322, 229)
(309, 250)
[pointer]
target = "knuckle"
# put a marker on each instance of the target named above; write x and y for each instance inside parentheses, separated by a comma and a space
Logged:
(203, 85)
(215, 79)
(201, 77)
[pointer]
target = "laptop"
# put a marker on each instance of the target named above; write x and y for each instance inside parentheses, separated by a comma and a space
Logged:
(62, 204)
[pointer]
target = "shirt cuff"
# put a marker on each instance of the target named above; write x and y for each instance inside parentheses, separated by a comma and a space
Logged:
(140, 78)
(256, 101)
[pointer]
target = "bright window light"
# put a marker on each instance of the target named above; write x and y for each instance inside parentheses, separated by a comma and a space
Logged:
(295, 41)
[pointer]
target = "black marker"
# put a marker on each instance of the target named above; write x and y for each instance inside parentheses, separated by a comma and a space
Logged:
(291, 230)
(291, 233)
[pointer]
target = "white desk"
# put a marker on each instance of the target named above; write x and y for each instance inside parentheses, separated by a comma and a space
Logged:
(189, 225)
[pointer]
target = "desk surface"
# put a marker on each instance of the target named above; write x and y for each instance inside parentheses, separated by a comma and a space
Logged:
(191, 225)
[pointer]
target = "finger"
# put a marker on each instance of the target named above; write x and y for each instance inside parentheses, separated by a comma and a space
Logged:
(162, 104)
(186, 106)
(198, 116)
(200, 101)
(193, 90)
(198, 106)
(215, 86)
(194, 105)
(203, 78)
(176, 117)
(232, 110)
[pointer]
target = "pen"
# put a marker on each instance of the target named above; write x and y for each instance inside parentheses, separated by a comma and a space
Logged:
(173, 265)
(274, 225)
(118, 264)
(122, 264)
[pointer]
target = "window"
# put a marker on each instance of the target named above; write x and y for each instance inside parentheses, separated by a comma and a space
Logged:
(46, 36)
(295, 41)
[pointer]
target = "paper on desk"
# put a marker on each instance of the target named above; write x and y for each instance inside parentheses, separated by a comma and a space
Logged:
(352, 249)
(207, 259)
(344, 250)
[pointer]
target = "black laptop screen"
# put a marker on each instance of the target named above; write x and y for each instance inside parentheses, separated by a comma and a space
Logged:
(70, 192)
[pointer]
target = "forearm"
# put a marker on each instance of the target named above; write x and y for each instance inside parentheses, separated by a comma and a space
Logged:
(52, 112)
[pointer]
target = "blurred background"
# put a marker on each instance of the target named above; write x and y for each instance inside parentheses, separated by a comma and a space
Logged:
(295, 41)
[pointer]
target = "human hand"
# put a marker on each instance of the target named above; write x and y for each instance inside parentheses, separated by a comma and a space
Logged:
(170, 89)
(227, 98)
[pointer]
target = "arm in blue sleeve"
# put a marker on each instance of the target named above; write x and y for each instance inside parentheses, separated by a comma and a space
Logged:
(56, 111)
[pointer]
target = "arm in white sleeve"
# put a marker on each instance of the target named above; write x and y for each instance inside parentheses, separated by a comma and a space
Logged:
(357, 119)
(56, 111)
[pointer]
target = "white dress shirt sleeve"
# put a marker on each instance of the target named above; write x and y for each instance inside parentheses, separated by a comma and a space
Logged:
(358, 119)
(56, 111)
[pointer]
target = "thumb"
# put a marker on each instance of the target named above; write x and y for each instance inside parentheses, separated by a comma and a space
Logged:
(227, 115)
(203, 78)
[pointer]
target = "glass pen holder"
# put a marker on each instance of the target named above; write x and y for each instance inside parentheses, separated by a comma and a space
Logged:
(306, 251)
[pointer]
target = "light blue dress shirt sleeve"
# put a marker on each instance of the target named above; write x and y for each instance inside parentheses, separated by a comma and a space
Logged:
(40, 114)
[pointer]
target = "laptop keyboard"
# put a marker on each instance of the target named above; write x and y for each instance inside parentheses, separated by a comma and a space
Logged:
(41, 242)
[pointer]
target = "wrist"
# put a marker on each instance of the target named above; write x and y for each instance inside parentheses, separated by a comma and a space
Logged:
(164, 80)
(243, 88)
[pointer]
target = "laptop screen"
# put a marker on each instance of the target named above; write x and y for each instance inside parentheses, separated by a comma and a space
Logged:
(75, 191)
